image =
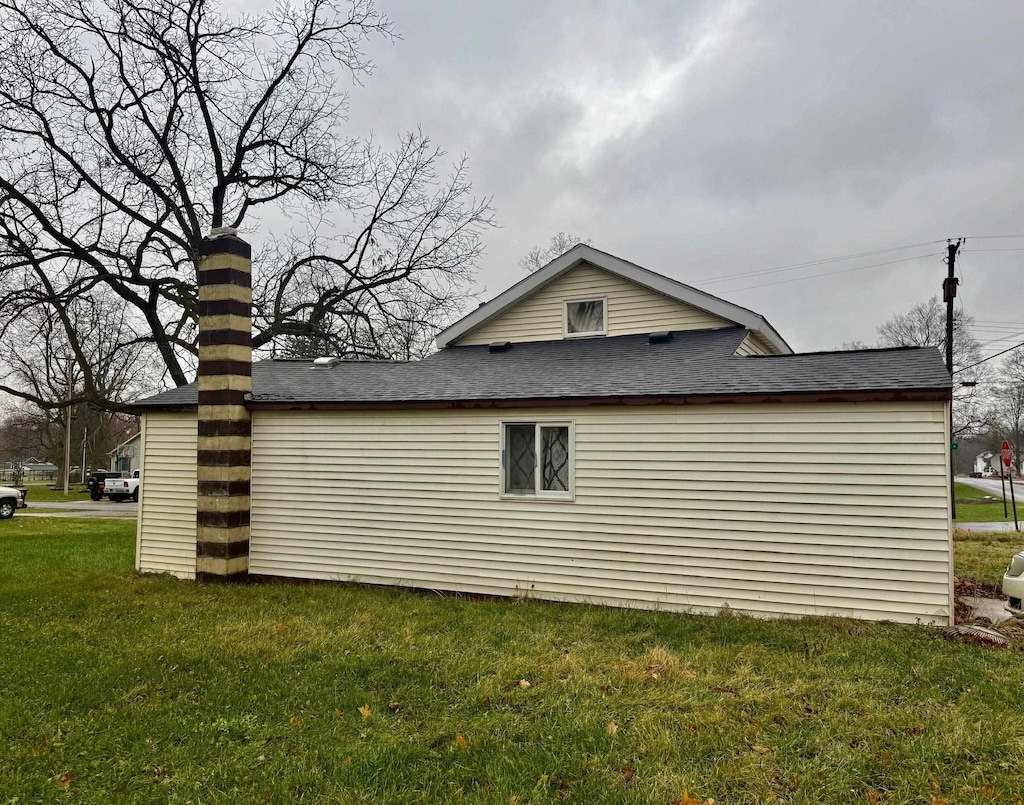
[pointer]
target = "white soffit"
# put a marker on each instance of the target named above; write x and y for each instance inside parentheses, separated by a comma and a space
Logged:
(641, 276)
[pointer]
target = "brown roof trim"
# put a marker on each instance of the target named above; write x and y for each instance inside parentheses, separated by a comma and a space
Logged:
(879, 395)
(912, 395)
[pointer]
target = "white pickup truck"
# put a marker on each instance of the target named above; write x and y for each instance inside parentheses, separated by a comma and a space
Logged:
(118, 489)
(10, 499)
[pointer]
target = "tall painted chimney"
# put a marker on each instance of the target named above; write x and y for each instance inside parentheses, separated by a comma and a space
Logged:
(225, 428)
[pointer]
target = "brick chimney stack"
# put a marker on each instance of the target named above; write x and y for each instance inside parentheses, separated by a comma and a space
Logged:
(225, 427)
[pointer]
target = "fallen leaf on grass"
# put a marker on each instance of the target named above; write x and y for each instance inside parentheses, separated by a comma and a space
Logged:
(463, 745)
(280, 628)
(364, 711)
(687, 800)
(988, 791)
(293, 720)
(940, 801)
(64, 781)
(628, 772)
(762, 750)
(872, 796)
(394, 706)
(612, 728)
(524, 684)
(337, 713)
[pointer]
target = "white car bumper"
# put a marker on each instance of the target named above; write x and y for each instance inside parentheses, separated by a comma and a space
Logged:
(1013, 584)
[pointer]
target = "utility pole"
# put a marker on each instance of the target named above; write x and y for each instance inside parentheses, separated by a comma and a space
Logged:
(67, 437)
(85, 441)
(948, 295)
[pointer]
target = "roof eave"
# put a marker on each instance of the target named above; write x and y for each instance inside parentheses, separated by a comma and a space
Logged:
(864, 395)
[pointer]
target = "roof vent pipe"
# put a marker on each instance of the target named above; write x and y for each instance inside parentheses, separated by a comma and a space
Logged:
(659, 338)
(325, 363)
(499, 346)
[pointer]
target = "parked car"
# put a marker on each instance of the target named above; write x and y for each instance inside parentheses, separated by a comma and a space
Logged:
(118, 489)
(1013, 584)
(95, 483)
(11, 499)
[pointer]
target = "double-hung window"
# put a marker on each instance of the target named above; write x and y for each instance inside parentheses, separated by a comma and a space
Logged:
(537, 459)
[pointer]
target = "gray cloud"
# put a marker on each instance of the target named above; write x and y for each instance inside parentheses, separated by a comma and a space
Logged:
(705, 139)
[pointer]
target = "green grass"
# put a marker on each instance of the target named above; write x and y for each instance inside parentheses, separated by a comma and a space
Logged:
(975, 506)
(983, 555)
(42, 492)
(116, 688)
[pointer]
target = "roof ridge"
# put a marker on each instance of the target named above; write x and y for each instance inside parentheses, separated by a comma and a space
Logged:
(845, 352)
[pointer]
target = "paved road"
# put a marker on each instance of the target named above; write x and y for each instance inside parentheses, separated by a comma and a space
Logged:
(991, 486)
(80, 508)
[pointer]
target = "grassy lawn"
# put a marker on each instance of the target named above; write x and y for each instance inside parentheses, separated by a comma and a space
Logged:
(42, 492)
(116, 688)
(972, 505)
(983, 556)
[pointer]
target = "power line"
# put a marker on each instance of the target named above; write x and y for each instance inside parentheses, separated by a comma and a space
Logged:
(992, 237)
(990, 357)
(1017, 334)
(811, 263)
(833, 273)
(977, 251)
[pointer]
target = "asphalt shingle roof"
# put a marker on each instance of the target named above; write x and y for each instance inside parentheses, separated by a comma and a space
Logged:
(694, 363)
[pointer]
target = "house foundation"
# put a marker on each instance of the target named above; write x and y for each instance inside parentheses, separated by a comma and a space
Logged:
(225, 427)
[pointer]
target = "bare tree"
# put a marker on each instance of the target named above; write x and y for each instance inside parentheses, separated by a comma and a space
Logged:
(924, 325)
(128, 130)
(852, 346)
(540, 256)
(1007, 411)
(43, 370)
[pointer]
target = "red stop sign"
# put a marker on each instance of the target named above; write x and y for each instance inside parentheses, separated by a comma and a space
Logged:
(1005, 453)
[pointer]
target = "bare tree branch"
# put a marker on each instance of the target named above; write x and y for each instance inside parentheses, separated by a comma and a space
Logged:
(128, 130)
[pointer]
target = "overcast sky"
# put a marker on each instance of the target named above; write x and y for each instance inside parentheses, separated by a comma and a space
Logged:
(705, 139)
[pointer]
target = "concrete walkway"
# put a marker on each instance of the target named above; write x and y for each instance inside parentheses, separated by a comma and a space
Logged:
(994, 526)
(991, 608)
(81, 508)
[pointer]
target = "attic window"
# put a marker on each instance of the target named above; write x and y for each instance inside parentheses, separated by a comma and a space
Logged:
(586, 317)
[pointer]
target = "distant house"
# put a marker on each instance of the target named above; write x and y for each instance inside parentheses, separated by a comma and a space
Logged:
(596, 433)
(125, 457)
(984, 462)
(36, 469)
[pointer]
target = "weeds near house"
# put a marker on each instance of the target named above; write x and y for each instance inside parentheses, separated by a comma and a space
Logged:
(120, 688)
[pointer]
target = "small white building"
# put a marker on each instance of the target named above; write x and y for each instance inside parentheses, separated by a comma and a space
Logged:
(985, 462)
(597, 433)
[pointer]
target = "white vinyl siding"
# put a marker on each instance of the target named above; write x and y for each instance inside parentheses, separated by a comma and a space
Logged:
(167, 495)
(753, 344)
(630, 309)
(797, 509)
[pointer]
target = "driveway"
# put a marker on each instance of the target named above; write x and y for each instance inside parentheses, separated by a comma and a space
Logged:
(81, 508)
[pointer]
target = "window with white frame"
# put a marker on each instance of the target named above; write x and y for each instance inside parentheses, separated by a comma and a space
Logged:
(585, 317)
(536, 459)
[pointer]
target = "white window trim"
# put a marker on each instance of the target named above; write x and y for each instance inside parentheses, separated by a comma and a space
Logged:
(538, 493)
(565, 317)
